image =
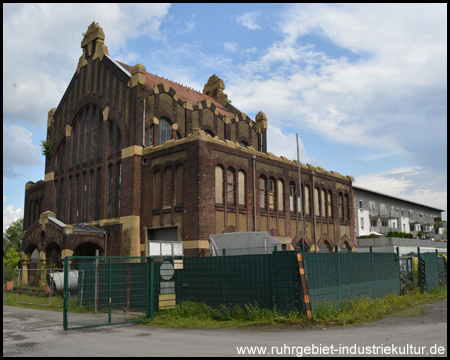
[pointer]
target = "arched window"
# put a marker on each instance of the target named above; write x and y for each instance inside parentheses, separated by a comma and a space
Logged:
(243, 143)
(325, 247)
(262, 192)
(110, 191)
(150, 135)
(71, 200)
(330, 204)
(341, 206)
(99, 193)
(94, 132)
(219, 185)
(84, 190)
(280, 193)
(112, 136)
(230, 187)
(91, 195)
(209, 132)
(164, 131)
(307, 202)
(77, 198)
(346, 208)
(241, 186)
(323, 200)
(316, 202)
(291, 197)
(119, 187)
(87, 140)
(271, 191)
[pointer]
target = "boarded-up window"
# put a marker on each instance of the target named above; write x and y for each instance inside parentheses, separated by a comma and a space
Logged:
(323, 209)
(346, 208)
(280, 196)
(219, 185)
(341, 206)
(316, 202)
(262, 192)
(230, 187)
(271, 194)
(241, 184)
(291, 197)
(330, 205)
(307, 203)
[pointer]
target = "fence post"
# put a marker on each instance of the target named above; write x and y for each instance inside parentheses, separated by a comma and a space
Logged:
(150, 284)
(338, 271)
(66, 288)
(110, 292)
(399, 275)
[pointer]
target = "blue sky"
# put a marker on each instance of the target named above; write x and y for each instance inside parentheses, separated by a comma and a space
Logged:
(364, 85)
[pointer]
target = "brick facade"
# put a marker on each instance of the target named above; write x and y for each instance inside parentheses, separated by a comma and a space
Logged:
(137, 155)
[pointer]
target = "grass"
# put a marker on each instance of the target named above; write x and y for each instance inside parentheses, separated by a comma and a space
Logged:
(198, 315)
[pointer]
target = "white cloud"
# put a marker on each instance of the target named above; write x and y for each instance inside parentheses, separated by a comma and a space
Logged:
(41, 48)
(286, 145)
(190, 26)
(9, 214)
(18, 150)
(231, 46)
(402, 183)
(249, 20)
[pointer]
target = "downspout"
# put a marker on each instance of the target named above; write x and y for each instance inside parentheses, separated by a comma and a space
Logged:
(254, 191)
(143, 122)
(106, 243)
(313, 210)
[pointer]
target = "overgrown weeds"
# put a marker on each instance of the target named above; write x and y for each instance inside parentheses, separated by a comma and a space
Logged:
(354, 311)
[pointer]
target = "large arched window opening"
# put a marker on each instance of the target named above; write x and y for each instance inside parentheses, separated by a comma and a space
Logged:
(231, 188)
(280, 191)
(164, 131)
(271, 190)
(262, 192)
(241, 185)
(307, 201)
(219, 185)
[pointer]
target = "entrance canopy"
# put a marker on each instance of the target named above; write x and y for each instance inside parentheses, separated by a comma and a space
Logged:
(243, 243)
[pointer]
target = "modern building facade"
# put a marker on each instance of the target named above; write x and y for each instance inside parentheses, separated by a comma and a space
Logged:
(134, 157)
(380, 213)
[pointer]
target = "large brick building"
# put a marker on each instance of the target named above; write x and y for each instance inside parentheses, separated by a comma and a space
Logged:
(135, 157)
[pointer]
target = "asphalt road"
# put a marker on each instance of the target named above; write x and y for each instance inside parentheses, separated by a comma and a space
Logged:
(28, 332)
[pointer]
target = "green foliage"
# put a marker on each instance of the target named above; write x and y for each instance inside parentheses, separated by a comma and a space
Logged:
(11, 259)
(47, 147)
(12, 237)
(399, 234)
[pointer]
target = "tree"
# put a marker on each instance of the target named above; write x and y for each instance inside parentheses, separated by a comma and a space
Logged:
(11, 259)
(12, 237)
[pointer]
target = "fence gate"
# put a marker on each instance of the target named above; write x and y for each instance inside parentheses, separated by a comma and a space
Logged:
(105, 290)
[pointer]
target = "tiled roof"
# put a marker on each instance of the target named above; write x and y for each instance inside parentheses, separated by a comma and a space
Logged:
(183, 92)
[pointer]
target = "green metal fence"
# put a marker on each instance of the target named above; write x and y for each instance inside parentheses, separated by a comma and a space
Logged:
(111, 290)
(106, 290)
(267, 280)
(442, 265)
(334, 277)
(428, 271)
